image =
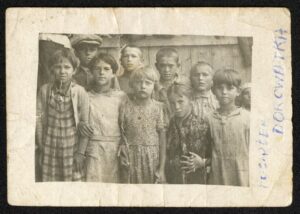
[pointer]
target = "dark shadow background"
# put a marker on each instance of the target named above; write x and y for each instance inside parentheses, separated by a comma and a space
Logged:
(293, 6)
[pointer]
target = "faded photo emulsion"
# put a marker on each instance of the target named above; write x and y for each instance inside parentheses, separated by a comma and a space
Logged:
(151, 107)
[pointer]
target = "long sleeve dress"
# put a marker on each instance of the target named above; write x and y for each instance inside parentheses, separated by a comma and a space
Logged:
(102, 149)
(230, 148)
(140, 126)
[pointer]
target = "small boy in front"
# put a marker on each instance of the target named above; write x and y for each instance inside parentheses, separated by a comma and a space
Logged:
(86, 47)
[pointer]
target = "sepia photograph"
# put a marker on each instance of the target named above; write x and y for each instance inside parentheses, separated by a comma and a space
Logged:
(149, 107)
(143, 109)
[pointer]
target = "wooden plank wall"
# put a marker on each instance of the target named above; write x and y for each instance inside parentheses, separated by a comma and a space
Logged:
(221, 54)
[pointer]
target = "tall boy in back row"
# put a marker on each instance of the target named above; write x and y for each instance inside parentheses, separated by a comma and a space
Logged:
(168, 65)
(131, 60)
(86, 48)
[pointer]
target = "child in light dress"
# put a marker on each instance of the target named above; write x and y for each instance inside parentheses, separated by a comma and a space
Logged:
(142, 153)
(229, 131)
(103, 130)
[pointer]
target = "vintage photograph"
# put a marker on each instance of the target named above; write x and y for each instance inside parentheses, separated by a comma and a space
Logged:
(149, 107)
(143, 109)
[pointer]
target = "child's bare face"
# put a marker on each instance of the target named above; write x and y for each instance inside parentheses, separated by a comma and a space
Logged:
(86, 52)
(143, 88)
(202, 78)
(63, 70)
(180, 105)
(131, 59)
(226, 94)
(167, 68)
(102, 73)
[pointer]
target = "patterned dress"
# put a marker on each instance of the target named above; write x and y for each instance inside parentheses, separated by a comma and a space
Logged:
(230, 148)
(191, 135)
(102, 161)
(140, 126)
(60, 141)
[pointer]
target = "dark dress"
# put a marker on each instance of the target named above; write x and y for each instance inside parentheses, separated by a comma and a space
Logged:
(189, 136)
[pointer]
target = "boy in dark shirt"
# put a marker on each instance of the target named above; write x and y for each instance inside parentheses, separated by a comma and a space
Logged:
(86, 47)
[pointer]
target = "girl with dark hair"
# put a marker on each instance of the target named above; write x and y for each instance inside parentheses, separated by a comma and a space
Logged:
(230, 132)
(60, 107)
(103, 130)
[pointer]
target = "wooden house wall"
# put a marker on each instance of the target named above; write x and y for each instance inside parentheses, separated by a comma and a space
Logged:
(222, 52)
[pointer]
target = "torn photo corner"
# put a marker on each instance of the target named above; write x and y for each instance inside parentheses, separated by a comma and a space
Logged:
(149, 107)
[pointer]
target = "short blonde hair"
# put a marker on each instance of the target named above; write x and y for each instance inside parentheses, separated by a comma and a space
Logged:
(143, 72)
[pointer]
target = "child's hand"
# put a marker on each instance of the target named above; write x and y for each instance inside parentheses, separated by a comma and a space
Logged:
(191, 163)
(123, 155)
(160, 177)
(79, 160)
(197, 161)
(186, 164)
(85, 129)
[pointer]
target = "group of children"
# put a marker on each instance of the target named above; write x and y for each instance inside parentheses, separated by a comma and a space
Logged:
(141, 127)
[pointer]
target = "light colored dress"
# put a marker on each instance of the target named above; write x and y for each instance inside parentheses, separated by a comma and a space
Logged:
(140, 126)
(230, 148)
(101, 151)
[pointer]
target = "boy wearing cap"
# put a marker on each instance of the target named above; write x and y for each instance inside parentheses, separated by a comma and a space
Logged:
(86, 47)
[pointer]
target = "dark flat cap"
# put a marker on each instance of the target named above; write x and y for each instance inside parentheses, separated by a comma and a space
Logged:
(79, 39)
